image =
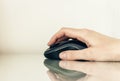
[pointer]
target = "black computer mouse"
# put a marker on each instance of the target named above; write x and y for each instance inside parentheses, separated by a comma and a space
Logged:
(71, 44)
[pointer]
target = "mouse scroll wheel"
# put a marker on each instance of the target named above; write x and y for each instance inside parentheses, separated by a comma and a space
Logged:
(54, 45)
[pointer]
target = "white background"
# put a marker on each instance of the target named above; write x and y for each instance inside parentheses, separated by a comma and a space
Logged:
(27, 25)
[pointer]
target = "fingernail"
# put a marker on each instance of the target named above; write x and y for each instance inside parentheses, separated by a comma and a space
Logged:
(63, 55)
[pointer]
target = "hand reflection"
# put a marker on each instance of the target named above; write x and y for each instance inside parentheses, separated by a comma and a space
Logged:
(96, 71)
(53, 76)
(57, 73)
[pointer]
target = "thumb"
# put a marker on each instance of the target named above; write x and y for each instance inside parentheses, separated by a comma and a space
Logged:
(85, 54)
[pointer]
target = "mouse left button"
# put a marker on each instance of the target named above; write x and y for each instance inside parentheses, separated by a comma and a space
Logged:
(54, 45)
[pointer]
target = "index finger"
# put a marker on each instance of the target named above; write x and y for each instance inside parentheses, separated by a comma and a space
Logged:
(68, 33)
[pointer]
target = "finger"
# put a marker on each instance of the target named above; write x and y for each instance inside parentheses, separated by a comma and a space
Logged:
(92, 54)
(61, 39)
(70, 33)
(85, 54)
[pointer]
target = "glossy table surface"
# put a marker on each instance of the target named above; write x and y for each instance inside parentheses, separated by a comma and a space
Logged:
(34, 67)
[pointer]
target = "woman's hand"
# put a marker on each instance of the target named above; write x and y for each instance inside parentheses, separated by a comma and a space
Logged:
(100, 47)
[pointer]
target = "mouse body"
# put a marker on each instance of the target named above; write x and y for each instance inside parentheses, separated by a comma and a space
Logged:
(54, 50)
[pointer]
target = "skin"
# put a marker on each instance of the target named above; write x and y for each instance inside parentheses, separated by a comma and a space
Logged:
(100, 47)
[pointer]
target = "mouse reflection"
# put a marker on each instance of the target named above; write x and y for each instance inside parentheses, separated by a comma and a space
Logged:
(56, 73)
(83, 71)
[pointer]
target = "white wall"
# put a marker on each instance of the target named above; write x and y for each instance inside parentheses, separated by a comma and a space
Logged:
(27, 25)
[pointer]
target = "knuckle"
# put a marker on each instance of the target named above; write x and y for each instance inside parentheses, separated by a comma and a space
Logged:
(89, 55)
(64, 28)
(85, 31)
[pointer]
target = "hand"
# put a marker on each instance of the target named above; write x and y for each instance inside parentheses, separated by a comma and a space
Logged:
(100, 47)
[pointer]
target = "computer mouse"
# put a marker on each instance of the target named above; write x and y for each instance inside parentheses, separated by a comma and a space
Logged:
(71, 44)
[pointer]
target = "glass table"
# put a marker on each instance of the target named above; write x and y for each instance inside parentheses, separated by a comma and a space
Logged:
(35, 67)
